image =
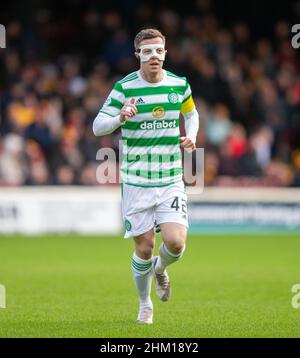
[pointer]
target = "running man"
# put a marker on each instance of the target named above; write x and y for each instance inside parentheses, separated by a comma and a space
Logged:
(147, 105)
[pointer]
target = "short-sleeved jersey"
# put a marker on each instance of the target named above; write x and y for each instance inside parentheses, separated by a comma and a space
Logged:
(151, 146)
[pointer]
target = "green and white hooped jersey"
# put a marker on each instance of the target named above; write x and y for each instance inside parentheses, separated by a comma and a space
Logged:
(151, 146)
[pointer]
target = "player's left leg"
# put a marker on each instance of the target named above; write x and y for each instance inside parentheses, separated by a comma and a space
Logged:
(171, 250)
(172, 218)
(174, 236)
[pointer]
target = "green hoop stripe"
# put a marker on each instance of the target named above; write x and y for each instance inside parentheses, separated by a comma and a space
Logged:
(142, 265)
(152, 157)
(152, 185)
(146, 108)
(147, 174)
(148, 91)
(148, 142)
(115, 103)
(118, 87)
(141, 268)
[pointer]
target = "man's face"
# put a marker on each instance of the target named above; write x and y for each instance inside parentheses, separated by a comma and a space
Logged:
(153, 65)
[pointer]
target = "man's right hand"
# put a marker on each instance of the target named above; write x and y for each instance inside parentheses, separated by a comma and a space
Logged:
(128, 110)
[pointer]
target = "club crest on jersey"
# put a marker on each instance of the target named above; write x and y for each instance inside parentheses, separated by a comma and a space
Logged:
(173, 97)
(158, 112)
(128, 225)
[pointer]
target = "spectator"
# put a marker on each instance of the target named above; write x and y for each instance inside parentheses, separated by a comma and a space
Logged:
(12, 165)
(219, 125)
(55, 79)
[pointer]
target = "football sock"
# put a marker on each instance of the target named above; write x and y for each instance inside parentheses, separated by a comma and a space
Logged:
(142, 274)
(166, 258)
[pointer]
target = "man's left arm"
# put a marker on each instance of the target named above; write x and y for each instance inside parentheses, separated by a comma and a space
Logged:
(191, 120)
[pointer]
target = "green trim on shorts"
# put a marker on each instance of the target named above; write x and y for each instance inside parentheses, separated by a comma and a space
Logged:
(152, 185)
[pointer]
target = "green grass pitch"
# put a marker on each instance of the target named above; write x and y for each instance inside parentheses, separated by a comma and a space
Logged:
(82, 286)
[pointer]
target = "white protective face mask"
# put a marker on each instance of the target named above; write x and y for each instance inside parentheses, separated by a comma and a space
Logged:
(148, 51)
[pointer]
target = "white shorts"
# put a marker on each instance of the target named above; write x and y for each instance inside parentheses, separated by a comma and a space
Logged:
(145, 207)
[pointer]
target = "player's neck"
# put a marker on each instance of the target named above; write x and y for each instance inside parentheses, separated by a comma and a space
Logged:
(152, 77)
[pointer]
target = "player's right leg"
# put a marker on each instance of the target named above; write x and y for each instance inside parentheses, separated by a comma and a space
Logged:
(142, 273)
(138, 215)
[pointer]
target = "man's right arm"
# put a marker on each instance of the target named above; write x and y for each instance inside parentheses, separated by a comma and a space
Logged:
(105, 124)
(113, 113)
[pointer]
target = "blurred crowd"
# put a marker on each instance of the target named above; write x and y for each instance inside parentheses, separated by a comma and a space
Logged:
(57, 72)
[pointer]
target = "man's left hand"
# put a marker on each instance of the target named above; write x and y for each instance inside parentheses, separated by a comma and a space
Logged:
(187, 144)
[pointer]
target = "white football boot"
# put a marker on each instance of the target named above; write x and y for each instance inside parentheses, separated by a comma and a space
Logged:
(145, 315)
(162, 283)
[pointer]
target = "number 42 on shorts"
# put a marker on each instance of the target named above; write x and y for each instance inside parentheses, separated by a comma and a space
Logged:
(179, 204)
